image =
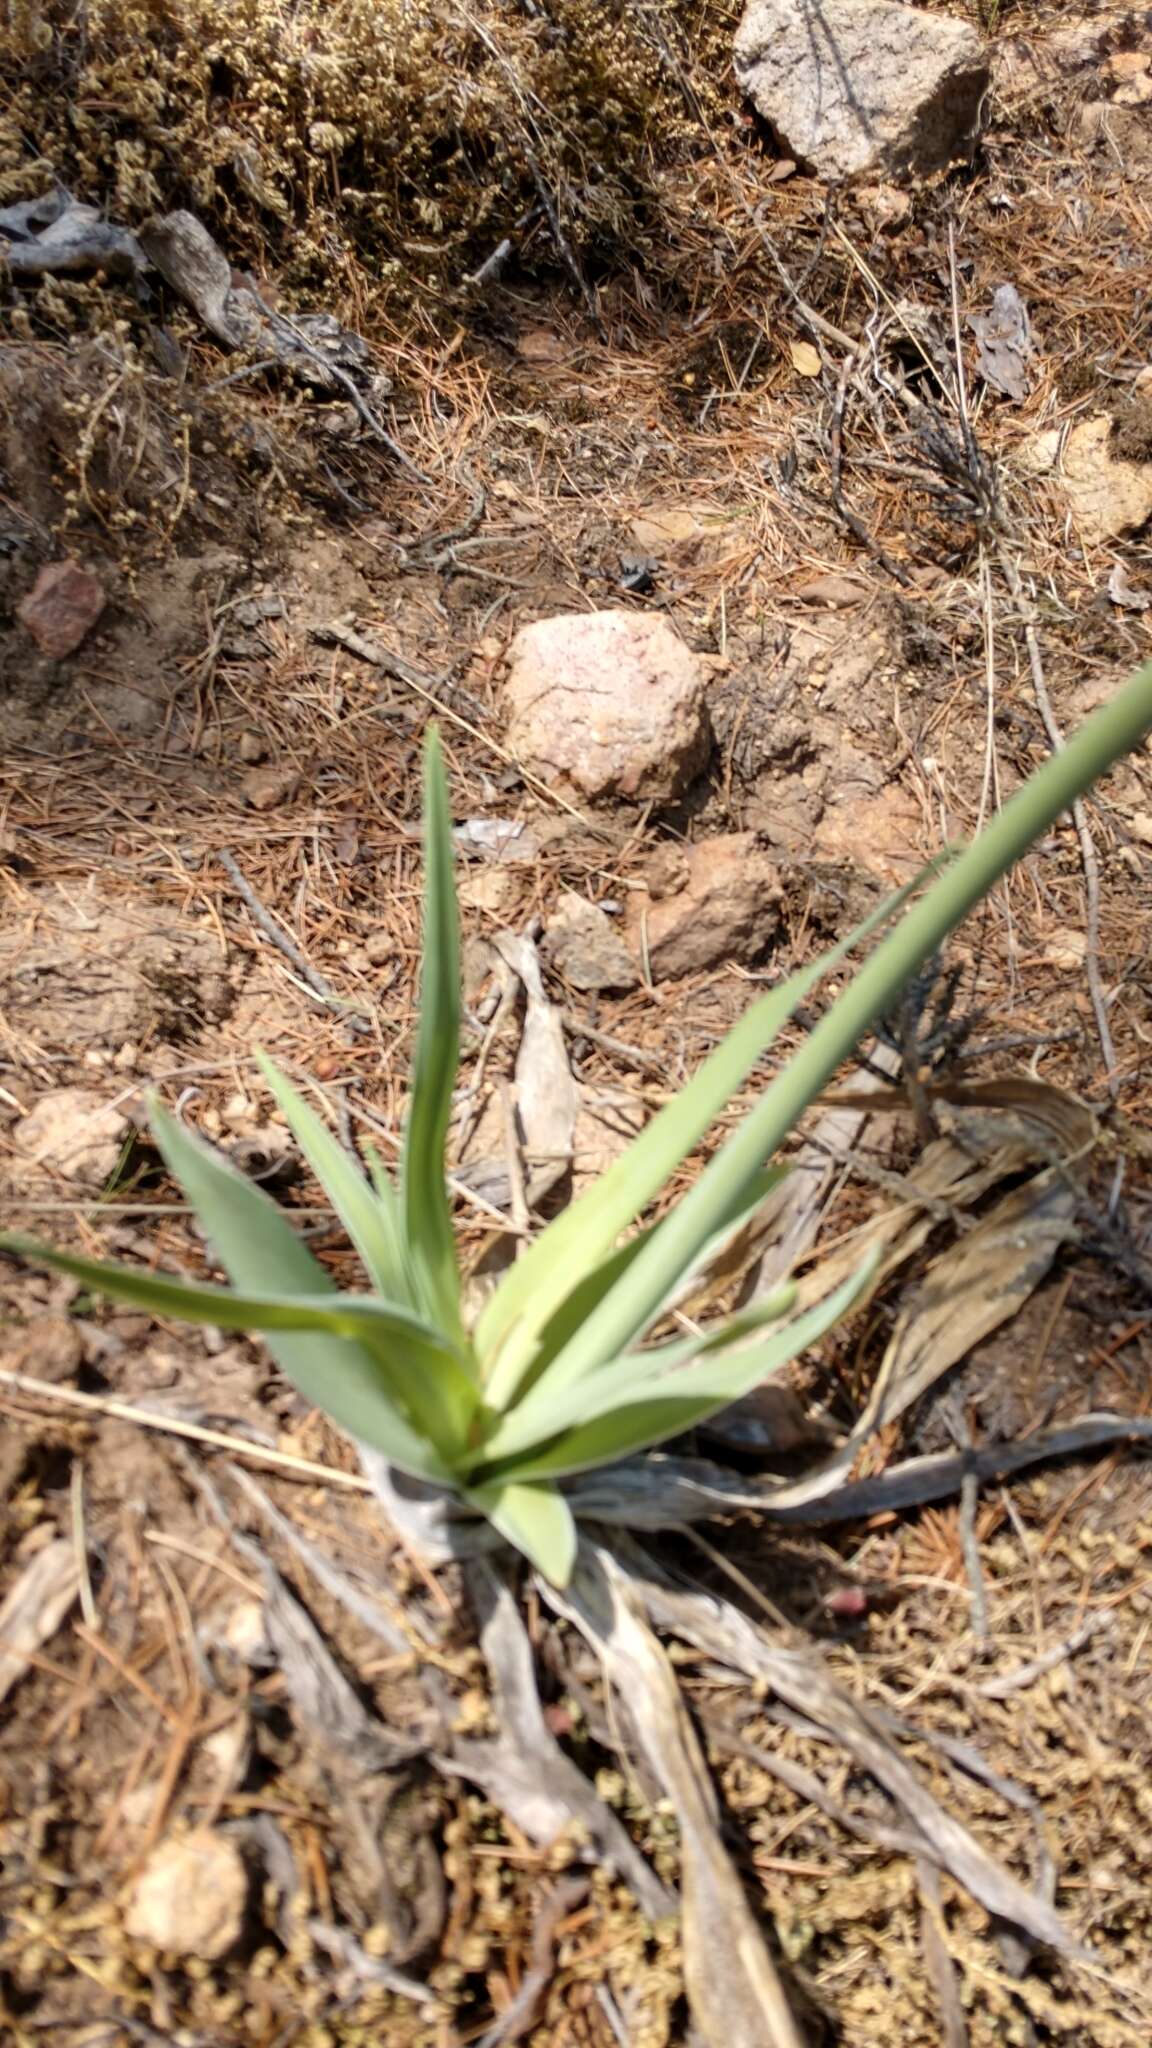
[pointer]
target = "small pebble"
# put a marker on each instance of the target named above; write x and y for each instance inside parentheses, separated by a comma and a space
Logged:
(191, 1897)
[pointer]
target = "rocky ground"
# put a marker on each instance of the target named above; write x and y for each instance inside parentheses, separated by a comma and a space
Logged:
(736, 598)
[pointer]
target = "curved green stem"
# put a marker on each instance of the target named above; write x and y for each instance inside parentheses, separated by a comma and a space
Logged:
(1111, 732)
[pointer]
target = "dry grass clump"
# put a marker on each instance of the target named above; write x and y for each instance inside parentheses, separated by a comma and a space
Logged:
(375, 143)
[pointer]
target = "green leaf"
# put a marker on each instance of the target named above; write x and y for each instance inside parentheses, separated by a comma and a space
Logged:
(532, 1290)
(251, 1236)
(261, 1254)
(577, 1306)
(371, 1224)
(358, 1316)
(658, 1358)
(541, 1414)
(427, 1209)
(591, 1288)
(339, 1376)
(537, 1519)
(393, 1215)
(693, 1395)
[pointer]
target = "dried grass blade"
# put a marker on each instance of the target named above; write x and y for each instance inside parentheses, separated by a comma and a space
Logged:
(736, 1996)
(971, 1289)
(721, 1631)
(524, 1769)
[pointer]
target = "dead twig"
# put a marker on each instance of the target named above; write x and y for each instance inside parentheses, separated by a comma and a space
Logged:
(344, 1949)
(516, 2019)
(648, 1063)
(920, 1480)
(348, 384)
(969, 1541)
(179, 1425)
(366, 1610)
(564, 246)
(447, 541)
(339, 634)
(266, 923)
(1027, 1674)
(492, 268)
(901, 1841)
(852, 520)
(938, 1964)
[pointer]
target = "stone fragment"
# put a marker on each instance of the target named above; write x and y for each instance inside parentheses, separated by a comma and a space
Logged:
(74, 1132)
(252, 747)
(1065, 948)
(496, 839)
(584, 945)
(191, 1897)
(884, 207)
(61, 608)
(607, 704)
(266, 787)
(857, 88)
(880, 832)
(1107, 495)
(50, 1347)
(728, 909)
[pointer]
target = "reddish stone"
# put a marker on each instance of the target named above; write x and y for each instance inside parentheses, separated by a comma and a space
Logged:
(61, 608)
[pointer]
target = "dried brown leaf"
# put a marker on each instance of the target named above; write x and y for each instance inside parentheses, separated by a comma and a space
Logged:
(1004, 339)
(805, 358)
(973, 1287)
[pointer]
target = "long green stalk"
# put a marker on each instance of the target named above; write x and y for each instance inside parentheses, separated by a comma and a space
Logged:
(1113, 731)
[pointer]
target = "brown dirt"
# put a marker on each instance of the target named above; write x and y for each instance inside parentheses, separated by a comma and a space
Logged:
(204, 716)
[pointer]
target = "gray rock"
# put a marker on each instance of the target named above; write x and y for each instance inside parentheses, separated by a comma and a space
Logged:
(583, 945)
(862, 87)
